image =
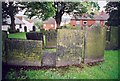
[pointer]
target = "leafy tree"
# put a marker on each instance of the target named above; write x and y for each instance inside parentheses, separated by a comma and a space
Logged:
(9, 10)
(113, 8)
(92, 7)
(45, 10)
(38, 24)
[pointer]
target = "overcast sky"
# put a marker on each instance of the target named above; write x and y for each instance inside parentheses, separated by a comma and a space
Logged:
(102, 3)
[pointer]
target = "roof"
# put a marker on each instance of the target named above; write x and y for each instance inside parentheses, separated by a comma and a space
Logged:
(49, 21)
(17, 21)
(19, 17)
(101, 16)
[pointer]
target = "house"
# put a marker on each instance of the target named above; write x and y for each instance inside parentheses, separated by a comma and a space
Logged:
(18, 24)
(28, 23)
(50, 23)
(88, 20)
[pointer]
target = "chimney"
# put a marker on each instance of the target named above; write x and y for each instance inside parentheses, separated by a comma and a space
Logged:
(102, 12)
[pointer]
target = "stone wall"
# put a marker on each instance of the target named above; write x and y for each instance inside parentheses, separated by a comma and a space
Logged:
(69, 47)
(94, 44)
(24, 52)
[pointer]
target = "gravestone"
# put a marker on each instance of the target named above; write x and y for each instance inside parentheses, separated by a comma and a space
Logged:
(69, 47)
(35, 36)
(113, 42)
(24, 52)
(4, 37)
(49, 59)
(51, 38)
(95, 37)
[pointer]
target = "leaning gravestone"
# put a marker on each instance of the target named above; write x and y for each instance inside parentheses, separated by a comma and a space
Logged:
(94, 44)
(69, 47)
(51, 38)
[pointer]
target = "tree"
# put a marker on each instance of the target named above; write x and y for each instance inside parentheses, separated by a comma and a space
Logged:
(38, 24)
(45, 10)
(9, 10)
(113, 8)
(92, 7)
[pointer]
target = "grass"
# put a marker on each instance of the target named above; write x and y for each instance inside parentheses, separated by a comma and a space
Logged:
(105, 70)
(21, 35)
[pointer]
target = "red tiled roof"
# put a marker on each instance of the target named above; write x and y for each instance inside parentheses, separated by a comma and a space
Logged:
(101, 16)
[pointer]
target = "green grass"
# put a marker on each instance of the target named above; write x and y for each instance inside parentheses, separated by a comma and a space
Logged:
(21, 35)
(105, 70)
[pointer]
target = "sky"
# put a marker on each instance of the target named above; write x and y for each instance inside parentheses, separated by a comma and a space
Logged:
(102, 3)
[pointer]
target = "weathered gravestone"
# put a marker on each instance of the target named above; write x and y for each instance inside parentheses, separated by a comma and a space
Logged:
(4, 37)
(51, 38)
(94, 44)
(35, 36)
(24, 52)
(112, 38)
(48, 59)
(69, 47)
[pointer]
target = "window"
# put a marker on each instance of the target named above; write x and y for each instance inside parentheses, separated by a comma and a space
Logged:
(20, 26)
(73, 25)
(78, 23)
(84, 22)
(52, 25)
(44, 24)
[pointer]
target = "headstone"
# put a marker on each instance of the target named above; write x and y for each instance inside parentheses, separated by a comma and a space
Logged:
(95, 37)
(35, 36)
(4, 37)
(49, 59)
(24, 52)
(69, 47)
(51, 38)
(113, 42)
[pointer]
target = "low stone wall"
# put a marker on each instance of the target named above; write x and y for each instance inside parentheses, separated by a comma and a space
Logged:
(24, 52)
(94, 44)
(69, 47)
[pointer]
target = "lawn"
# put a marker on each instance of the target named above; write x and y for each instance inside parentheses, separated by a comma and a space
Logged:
(104, 70)
(21, 35)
